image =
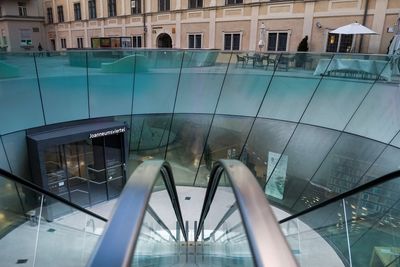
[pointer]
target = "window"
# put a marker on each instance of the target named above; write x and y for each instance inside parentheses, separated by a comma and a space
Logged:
(233, 2)
(136, 7)
(63, 43)
(137, 41)
(194, 40)
(92, 9)
(163, 5)
(22, 9)
(60, 13)
(49, 15)
(339, 43)
(277, 41)
(112, 8)
(232, 41)
(79, 42)
(195, 3)
(77, 11)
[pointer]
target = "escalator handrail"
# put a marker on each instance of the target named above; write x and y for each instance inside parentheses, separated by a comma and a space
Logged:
(267, 243)
(12, 177)
(117, 245)
(356, 190)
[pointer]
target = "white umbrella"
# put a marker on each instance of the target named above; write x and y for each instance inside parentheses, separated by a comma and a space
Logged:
(353, 28)
(395, 44)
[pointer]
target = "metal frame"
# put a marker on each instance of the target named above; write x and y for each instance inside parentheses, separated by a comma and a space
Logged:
(38, 189)
(266, 241)
(117, 245)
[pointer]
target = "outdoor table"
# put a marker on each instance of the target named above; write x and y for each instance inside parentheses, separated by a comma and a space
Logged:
(380, 68)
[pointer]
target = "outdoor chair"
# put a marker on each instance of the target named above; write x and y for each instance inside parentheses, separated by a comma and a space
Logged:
(241, 59)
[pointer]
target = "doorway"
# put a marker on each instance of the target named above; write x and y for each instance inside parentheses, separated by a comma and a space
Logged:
(164, 41)
(53, 44)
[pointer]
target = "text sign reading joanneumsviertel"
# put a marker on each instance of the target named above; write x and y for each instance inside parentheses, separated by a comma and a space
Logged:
(109, 132)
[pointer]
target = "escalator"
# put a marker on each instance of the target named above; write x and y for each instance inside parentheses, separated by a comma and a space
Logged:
(236, 227)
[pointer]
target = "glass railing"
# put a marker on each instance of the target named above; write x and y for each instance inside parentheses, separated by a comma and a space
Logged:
(146, 228)
(293, 118)
(223, 238)
(160, 235)
(237, 226)
(30, 233)
(360, 229)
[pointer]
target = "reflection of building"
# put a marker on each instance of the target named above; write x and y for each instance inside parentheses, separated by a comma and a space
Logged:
(220, 24)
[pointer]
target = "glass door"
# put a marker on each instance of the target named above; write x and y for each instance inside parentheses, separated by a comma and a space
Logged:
(114, 164)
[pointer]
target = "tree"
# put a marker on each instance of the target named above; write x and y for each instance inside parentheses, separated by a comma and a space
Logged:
(303, 45)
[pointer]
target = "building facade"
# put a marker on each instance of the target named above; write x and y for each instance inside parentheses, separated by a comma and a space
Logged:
(21, 25)
(215, 24)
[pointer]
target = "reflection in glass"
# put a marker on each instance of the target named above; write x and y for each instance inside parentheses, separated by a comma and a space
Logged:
(158, 241)
(224, 240)
(225, 141)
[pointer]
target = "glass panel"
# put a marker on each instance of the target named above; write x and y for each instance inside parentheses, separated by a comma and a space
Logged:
(96, 170)
(158, 242)
(282, 41)
(191, 41)
(110, 82)
(156, 81)
(324, 228)
(272, 41)
(20, 108)
(396, 140)
(371, 219)
(226, 140)
(236, 42)
(149, 137)
(198, 40)
(386, 163)
(227, 41)
(190, 136)
(380, 103)
(287, 97)
(223, 236)
(17, 152)
(290, 175)
(65, 95)
(242, 88)
(341, 171)
(27, 222)
(3, 158)
(340, 93)
(267, 137)
(201, 80)
(70, 238)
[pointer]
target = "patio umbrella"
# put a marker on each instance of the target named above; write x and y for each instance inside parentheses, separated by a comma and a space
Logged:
(395, 44)
(353, 28)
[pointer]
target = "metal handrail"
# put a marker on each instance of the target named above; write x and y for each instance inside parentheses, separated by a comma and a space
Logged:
(117, 245)
(354, 191)
(38, 189)
(267, 243)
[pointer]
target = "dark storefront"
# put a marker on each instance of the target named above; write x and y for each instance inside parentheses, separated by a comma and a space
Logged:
(84, 164)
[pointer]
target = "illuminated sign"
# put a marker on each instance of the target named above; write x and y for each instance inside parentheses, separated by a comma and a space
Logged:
(109, 132)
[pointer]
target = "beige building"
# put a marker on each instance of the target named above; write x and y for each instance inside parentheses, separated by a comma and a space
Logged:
(216, 24)
(21, 25)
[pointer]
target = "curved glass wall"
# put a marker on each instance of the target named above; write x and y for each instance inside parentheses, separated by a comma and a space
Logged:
(309, 126)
